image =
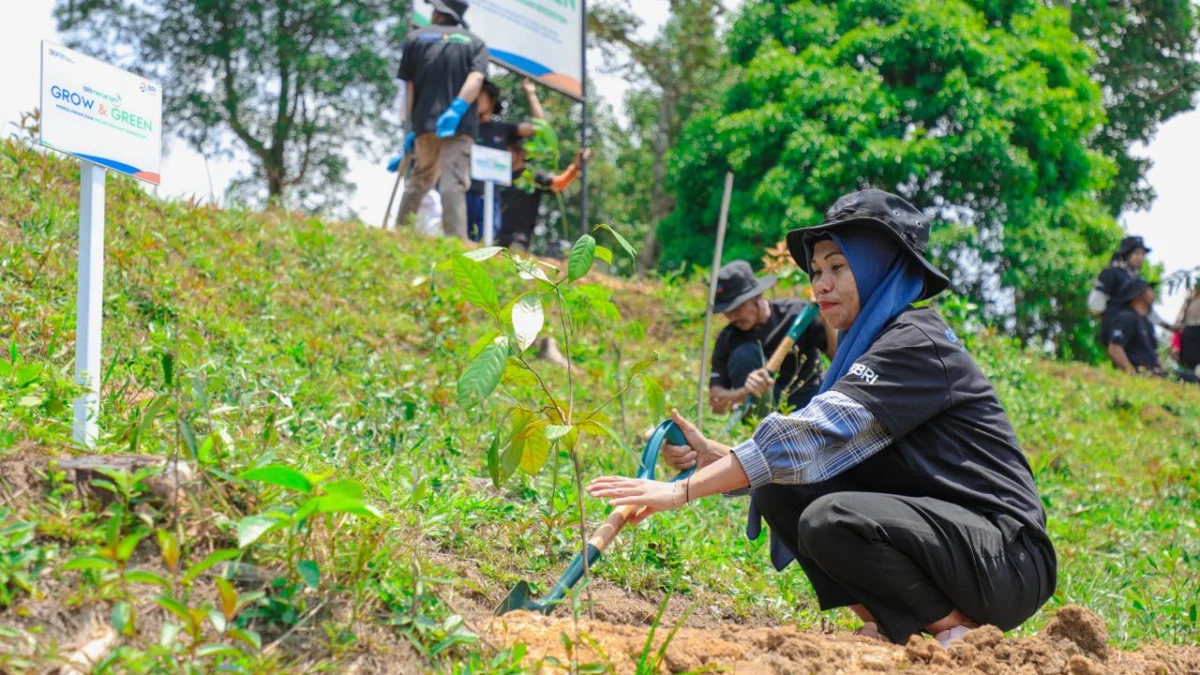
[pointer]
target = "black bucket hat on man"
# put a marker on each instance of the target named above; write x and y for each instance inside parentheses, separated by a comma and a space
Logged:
(874, 208)
(1134, 287)
(736, 284)
(454, 8)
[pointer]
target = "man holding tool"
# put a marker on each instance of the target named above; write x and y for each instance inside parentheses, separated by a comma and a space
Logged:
(757, 327)
(443, 67)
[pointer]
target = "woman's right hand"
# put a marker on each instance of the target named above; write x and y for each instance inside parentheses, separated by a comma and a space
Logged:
(699, 452)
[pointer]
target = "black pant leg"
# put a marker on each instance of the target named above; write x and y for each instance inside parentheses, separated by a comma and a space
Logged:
(743, 360)
(781, 506)
(912, 560)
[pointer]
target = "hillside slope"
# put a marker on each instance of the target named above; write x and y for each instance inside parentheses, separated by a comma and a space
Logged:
(237, 340)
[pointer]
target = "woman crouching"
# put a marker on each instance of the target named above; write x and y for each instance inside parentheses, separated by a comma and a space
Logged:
(901, 488)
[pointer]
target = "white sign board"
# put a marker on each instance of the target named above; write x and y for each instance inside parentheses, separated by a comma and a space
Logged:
(490, 165)
(539, 38)
(101, 114)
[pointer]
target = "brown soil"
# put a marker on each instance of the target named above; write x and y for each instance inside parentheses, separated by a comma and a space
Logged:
(1073, 643)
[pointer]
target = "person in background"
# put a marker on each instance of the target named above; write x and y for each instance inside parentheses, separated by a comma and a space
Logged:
(1124, 265)
(756, 327)
(443, 67)
(501, 135)
(521, 205)
(1188, 354)
(1132, 344)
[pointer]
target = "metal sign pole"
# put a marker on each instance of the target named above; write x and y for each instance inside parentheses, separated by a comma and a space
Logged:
(712, 294)
(583, 141)
(90, 302)
(489, 213)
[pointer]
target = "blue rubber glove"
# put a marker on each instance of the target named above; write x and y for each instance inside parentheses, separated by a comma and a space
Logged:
(447, 124)
(410, 141)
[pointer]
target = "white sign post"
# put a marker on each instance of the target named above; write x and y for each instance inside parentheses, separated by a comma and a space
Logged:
(110, 119)
(490, 166)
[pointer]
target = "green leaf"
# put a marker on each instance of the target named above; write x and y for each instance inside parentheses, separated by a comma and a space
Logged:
(493, 459)
(168, 544)
(516, 374)
(476, 285)
(90, 563)
(481, 344)
(620, 240)
(145, 577)
(481, 254)
(557, 431)
(604, 253)
(127, 545)
(175, 607)
(247, 636)
(278, 474)
(122, 618)
(251, 528)
(510, 459)
(643, 365)
(482, 375)
(340, 504)
(343, 488)
(310, 573)
(535, 448)
(656, 398)
(218, 556)
(528, 320)
(598, 428)
(579, 261)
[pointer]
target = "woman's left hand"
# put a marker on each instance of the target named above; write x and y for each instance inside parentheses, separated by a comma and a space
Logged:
(653, 494)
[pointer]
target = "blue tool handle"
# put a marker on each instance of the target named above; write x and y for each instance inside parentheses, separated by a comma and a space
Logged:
(568, 579)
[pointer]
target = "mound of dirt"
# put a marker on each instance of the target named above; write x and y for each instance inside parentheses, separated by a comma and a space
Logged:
(1075, 642)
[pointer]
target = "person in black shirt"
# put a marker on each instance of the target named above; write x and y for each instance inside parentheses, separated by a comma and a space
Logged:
(1132, 344)
(901, 488)
(521, 202)
(501, 135)
(1124, 266)
(756, 327)
(443, 67)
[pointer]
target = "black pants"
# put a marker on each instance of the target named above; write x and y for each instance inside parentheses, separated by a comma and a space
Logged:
(909, 560)
(747, 358)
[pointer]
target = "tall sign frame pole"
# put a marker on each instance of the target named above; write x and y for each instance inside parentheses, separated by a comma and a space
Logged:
(90, 302)
(583, 141)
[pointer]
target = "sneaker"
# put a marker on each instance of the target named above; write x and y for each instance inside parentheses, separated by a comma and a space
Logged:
(951, 635)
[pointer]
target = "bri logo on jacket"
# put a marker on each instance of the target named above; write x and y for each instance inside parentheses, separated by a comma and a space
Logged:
(869, 376)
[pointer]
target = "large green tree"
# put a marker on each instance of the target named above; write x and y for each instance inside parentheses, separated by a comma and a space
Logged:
(674, 75)
(296, 84)
(980, 114)
(1148, 68)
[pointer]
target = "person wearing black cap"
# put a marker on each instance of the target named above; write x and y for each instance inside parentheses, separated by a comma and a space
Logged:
(901, 488)
(756, 327)
(443, 67)
(501, 135)
(1132, 344)
(1125, 265)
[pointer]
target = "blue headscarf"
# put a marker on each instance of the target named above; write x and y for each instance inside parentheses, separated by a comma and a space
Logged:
(888, 279)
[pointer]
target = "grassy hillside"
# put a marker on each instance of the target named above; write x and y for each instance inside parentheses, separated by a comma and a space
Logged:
(240, 340)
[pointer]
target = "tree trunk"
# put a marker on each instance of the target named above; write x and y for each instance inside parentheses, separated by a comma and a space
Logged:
(275, 183)
(660, 202)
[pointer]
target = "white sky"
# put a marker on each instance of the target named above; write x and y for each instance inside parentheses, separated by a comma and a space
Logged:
(1171, 227)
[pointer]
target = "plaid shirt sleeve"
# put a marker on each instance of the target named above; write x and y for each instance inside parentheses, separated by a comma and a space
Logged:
(828, 436)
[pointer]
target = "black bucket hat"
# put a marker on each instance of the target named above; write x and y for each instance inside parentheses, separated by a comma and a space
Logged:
(736, 284)
(1131, 244)
(1129, 290)
(884, 210)
(455, 8)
